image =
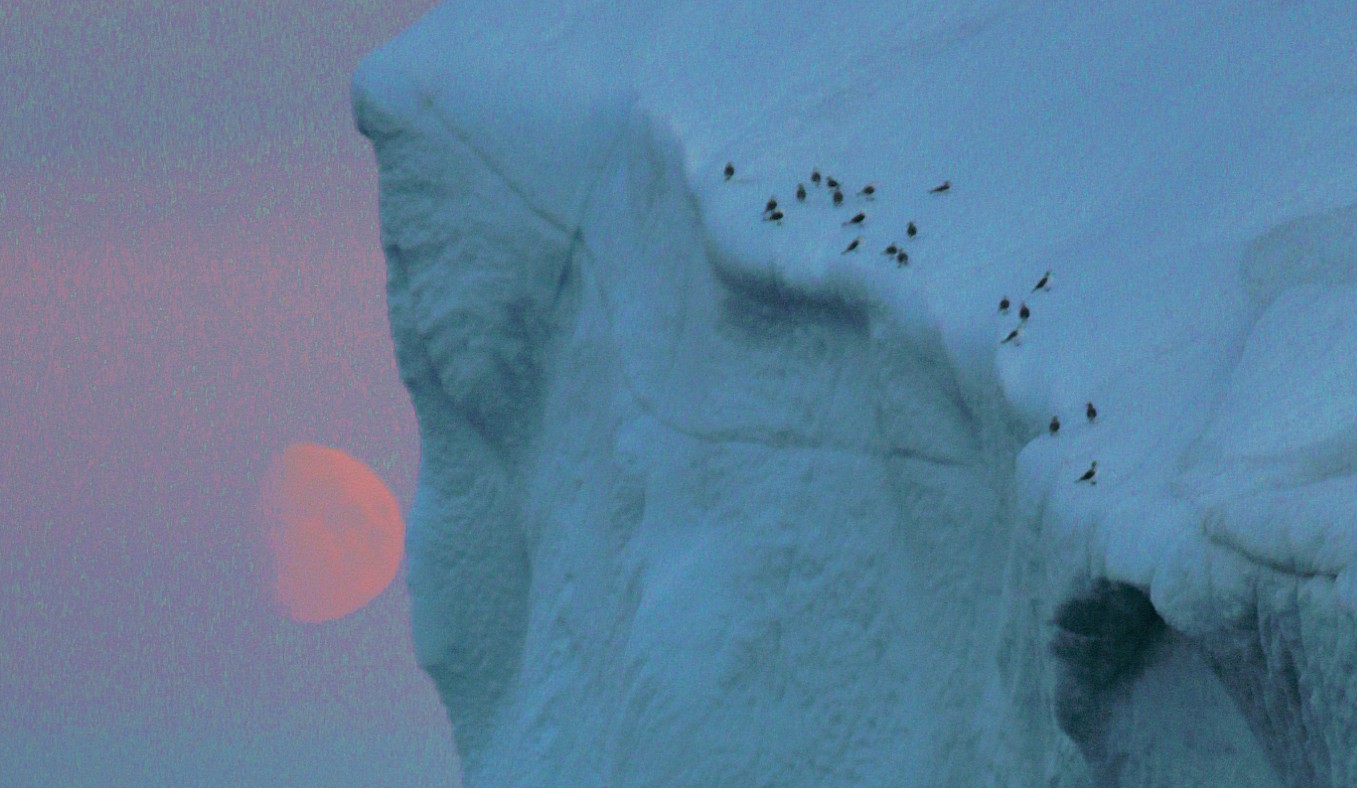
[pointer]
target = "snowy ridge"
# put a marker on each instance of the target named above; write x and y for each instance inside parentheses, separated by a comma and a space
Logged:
(705, 500)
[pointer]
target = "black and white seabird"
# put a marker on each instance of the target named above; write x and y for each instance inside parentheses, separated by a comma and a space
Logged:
(911, 230)
(1044, 283)
(890, 250)
(867, 191)
(771, 206)
(1024, 312)
(800, 192)
(1055, 424)
(838, 197)
(858, 219)
(775, 216)
(1014, 336)
(1091, 412)
(940, 188)
(852, 247)
(815, 177)
(1003, 305)
(901, 259)
(831, 183)
(730, 170)
(1089, 474)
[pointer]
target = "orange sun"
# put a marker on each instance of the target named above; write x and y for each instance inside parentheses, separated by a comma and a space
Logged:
(333, 529)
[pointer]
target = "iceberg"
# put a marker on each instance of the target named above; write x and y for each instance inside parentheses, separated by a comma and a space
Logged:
(706, 500)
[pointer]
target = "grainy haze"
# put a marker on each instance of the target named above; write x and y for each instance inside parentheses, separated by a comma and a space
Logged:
(190, 279)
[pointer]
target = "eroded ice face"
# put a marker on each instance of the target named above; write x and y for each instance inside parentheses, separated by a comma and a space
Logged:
(704, 506)
(679, 515)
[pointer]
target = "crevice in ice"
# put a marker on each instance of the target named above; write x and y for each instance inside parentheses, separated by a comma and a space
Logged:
(1260, 559)
(1103, 640)
(465, 140)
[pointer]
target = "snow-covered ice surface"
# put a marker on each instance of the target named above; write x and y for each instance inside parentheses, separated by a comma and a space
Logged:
(705, 501)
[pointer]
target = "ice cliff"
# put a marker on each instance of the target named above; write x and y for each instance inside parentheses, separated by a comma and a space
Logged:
(704, 500)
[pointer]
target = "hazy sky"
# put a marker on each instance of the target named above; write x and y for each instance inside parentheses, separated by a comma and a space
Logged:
(190, 280)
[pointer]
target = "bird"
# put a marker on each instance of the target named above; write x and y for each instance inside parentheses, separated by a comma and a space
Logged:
(815, 177)
(1091, 412)
(800, 192)
(890, 250)
(831, 183)
(858, 219)
(901, 259)
(838, 198)
(1024, 312)
(771, 206)
(1003, 305)
(1044, 283)
(1055, 424)
(730, 170)
(911, 230)
(940, 188)
(1089, 474)
(867, 191)
(775, 216)
(852, 246)
(1014, 336)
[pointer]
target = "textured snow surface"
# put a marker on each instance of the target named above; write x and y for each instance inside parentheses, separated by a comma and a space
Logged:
(704, 500)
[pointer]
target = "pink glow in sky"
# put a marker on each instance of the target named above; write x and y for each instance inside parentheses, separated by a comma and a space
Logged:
(190, 280)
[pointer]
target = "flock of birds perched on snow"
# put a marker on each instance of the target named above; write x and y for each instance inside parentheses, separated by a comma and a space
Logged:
(773, 213)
